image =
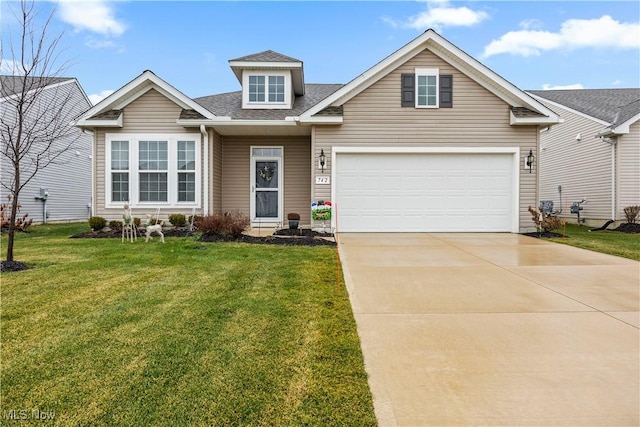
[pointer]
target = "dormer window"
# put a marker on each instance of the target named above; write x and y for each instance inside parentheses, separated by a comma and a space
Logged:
(267, 89)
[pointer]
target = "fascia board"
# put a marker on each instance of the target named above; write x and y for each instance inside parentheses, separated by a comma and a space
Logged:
(329, 120)
(571, 110)
(623, 128)
(513, 120)
(138, 87)
(88, 123)
(227, 121)
(448, 52)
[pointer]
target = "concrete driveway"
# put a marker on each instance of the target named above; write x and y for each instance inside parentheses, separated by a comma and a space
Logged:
(495, 329)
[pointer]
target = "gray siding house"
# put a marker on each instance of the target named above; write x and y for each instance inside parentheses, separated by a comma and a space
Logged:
(594, 154)
(68, 180)
(427, 139)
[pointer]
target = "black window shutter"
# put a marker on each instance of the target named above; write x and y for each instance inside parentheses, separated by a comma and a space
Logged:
(446, 91)
(408, 87)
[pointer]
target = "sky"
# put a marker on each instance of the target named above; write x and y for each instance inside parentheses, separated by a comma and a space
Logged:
(533, 44)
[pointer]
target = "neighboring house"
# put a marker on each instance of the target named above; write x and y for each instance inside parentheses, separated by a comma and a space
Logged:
(68, 180)
(428, 139)
(594, 154)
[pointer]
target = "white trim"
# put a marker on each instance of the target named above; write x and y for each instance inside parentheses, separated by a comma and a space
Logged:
(172, 171)
(571, 110)
(426, 72)
(117, 123)
(136, 88)
(513, 120)
(623, 128)
(252, 180)
(514, 151)
(249, 105)
(448, 52)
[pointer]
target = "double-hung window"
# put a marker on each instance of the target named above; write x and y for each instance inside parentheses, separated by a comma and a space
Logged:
(426, 88)
(120, 171)
(256, 88)
(186, 171)
(157, 170)
(153, 165)
(276, 88)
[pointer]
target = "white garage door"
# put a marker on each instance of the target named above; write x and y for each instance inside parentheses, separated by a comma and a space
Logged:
(429, 192)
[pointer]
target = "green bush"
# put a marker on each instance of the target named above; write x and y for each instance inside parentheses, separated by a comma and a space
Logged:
(194, 218)
(227, 224)
(115, 225)
(178, 220)
(97, 222)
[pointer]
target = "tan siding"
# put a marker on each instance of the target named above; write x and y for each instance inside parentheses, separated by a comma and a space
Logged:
(582, 168)
(478, 118)
(236, 173)
(152, 113)
(215, 166)
(629, 169)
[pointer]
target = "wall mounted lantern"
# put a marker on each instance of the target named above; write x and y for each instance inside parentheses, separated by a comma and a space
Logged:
(529, 160)
(322, 159)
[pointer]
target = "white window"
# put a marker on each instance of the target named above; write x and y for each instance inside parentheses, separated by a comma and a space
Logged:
(266, 89)
(152, 170)
(427, 88)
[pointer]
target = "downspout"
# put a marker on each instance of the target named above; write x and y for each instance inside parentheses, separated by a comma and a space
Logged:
(613, 181)
(205, 136)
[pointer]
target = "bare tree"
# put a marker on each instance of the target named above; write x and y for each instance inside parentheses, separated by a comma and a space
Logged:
(35, 116)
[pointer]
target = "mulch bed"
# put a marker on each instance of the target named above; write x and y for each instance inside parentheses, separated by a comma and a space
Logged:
(287, 237)
(289, 240)
(544, 234)
(628, 228)
(7, 266)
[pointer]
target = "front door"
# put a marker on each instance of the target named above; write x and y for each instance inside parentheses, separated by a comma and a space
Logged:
(266, 185)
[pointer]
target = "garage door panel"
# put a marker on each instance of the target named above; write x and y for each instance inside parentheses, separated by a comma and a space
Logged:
(424, 192)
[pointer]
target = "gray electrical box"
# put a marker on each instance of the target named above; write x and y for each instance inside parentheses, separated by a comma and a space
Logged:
(44, 193)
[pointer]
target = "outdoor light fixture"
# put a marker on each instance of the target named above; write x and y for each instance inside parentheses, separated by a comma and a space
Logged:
(529, 161)
(323, 159)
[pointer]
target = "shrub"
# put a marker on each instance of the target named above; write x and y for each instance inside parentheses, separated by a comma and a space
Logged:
(22, 222)
(115, 225)
(543, 221)
(227, 224)
(178, 220)
(194, 218)
(97, 222)
(632, 213)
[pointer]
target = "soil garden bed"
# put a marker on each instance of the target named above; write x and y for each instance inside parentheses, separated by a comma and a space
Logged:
(286, 236)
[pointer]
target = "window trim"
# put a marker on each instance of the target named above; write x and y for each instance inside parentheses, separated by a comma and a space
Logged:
(266, 104)
(435, 72)
(134, 169)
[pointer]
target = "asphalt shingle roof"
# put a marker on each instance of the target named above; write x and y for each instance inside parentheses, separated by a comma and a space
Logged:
(266, 56)
(613, 106)
(12, 85)
(230, 104)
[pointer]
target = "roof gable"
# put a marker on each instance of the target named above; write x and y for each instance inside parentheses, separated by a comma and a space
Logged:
(458, 59)
(104, 113)
(14, 85)
(270, 60)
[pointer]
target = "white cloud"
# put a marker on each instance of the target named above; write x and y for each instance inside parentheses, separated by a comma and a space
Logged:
(95, 16)
(97, 97)
(10, 67)
(99, 44)
(604, 32)
(560, 87)
(617, 83)
(438, 15)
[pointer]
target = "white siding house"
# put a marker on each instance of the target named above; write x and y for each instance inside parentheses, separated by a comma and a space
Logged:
(67, 181)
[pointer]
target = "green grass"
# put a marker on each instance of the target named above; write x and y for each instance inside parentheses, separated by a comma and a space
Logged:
(609, 242)
(101, 332)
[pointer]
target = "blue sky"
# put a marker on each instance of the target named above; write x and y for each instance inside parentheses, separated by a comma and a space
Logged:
(533, 44)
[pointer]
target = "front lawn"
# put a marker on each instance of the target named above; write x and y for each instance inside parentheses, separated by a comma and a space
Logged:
(101, 332)
(609, 242)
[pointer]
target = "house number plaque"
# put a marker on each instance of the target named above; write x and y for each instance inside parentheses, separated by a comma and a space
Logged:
(323, 180)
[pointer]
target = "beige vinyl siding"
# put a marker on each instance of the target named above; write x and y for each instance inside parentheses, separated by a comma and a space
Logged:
(478, 118)
(151, 113)
(215, 166)
(629, 169)
(236, 158)
(582, 168)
